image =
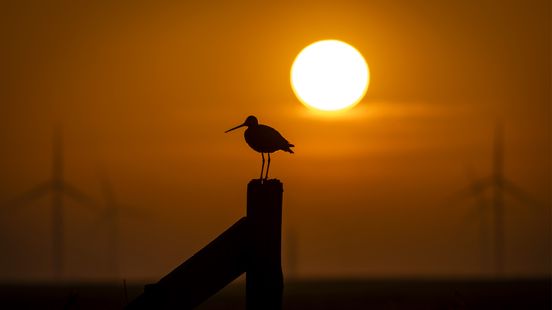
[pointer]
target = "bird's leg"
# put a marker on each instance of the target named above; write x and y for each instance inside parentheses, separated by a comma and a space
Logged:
(267, 167)
(262, 166)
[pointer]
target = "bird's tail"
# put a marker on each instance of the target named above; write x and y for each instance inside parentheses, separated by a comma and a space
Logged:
(287, 149)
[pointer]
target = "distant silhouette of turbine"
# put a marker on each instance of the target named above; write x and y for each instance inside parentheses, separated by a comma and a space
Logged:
(499, 185)
(110, 221)
(112, 215)
(263, 139)
(478, 212)
(57, 187)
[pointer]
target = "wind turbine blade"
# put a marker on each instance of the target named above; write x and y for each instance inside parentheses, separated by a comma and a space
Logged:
(519, 193)
(26, 198)
(78, 196)
(111, 201)
(473, 190)
(105, 219)
(477, 186)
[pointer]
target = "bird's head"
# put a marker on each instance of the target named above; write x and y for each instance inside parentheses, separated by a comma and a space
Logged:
(249, 121)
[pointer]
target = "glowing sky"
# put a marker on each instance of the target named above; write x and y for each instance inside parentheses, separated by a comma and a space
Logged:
(147, 90)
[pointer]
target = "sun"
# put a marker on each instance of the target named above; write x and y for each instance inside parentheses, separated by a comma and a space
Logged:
(330, 75)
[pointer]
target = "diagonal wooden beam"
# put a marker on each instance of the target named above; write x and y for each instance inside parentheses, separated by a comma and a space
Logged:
(202, 275)
(251, 245)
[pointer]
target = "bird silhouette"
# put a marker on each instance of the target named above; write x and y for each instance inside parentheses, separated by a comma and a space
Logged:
(263, 139)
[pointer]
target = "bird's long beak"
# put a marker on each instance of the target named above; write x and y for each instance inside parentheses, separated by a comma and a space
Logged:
(235, 128)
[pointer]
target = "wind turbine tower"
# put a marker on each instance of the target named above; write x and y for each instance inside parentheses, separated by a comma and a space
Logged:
(498, 199)
(110, 220)
(57, 187)
(498, 184)
(111, 216)
(57, 204)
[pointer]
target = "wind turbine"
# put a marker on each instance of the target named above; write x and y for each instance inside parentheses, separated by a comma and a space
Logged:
(479, 212)
(498, 184)
(110, 220)
(57, 187)
(111, 216)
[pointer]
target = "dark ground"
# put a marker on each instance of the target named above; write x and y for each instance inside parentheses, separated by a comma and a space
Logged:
(309, 294)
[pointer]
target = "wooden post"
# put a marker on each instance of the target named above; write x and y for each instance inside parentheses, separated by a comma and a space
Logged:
(264, 278)
(252, 245)
(202, 275)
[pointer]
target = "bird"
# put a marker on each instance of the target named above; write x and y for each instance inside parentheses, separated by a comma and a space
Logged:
(263, 139)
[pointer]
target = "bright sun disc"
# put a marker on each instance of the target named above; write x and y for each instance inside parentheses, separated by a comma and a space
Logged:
(329, 75)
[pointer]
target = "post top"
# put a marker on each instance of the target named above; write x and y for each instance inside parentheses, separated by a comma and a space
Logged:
(265, 186)
(270, 182)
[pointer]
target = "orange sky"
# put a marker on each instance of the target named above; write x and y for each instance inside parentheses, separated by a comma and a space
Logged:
(147, 90)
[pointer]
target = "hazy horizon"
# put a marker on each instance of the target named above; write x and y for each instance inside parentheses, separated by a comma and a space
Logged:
(144, 92)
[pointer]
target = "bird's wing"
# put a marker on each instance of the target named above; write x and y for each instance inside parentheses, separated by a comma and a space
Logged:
(272, 137)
